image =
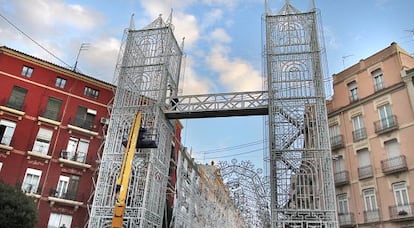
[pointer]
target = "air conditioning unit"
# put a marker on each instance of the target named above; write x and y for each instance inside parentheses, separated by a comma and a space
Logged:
(104, 120)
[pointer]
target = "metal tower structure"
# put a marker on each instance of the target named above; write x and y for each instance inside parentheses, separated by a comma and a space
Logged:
(299, 161)
(147, 72)
(300, 166)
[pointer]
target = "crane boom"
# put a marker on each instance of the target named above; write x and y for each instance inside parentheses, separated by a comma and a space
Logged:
(125, 172)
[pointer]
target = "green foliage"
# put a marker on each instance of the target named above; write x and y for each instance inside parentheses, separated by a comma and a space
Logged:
(16, 209)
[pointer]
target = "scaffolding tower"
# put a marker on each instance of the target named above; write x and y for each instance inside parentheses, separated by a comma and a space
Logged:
(299, 161)
(147, 72)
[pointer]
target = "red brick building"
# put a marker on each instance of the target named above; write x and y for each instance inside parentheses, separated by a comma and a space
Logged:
(52, 121)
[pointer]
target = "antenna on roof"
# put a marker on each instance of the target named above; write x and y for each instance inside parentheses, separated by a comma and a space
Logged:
(345, 57)
(84, 46)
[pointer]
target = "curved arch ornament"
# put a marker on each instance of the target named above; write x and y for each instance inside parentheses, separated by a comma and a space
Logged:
(249, 190)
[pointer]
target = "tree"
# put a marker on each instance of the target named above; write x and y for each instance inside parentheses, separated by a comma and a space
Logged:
(17, 210)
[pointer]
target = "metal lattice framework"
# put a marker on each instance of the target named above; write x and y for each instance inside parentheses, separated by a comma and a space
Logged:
(249, 190)
(148, 69)
(300, 166)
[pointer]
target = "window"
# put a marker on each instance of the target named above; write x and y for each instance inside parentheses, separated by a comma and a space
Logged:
(52, 108)
(85, 117)
(342, 203)
(27, 71)
(359, 129)
(363, 157)
(378, 79)
(60, 82)
(339, 164)
(16, 99)
(334, 130)
(62, 186)
(67, 187)
(369, 199)
(393, 148)
(77, 149)
(353, 91)
(385, 115)
(59, 221)
(31, 180)
(42, 142)
(401, 197)
(8, 127)
(335, 136)
(91, 92)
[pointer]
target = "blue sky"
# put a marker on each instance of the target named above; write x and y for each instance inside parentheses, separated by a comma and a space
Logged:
(222, 44)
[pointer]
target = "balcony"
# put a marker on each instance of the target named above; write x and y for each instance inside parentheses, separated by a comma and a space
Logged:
(68, 198)
(5, 147)
(402, 212)
(359, 134)
(346, 219)
(385, 125)
(49, 117)
(365, 172)
(72, 159)
(394, 165)
(372, 216)
(341, 178)
(353, 98)
(32, 190)
(38, 155)
(13, 108)
(83, 126)
(337, 142)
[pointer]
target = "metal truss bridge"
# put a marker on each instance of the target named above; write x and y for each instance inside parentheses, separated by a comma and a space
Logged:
(218, 105)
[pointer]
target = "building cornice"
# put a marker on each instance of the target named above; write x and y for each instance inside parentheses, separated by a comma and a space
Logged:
(367, 99)
(51, 66)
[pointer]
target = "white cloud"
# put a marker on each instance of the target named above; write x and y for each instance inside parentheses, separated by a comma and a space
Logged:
(48, 16)
(212, 17)
(330, 38)
(101, 57)
(220, 35)
(191, 83)
(235, 74)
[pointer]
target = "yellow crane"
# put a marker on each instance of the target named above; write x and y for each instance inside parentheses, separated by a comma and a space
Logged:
(136, 139)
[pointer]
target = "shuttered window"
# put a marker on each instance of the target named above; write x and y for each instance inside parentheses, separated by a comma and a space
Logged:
(52, 108)
(16, 99)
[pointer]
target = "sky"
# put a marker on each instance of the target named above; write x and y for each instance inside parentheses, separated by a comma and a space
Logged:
(222, 44)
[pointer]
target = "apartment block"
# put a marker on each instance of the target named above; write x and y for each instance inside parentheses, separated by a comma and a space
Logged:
(371, 126)
(52, 123)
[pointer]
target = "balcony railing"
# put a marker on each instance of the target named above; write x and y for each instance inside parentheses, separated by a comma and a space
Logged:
(72, 159)
(402, 212)
(385, 125)
(12, 107)
(50, 114)
(14, 104)
(70, 198)
(365, 172)
(346, 219)
(359, 134)
(353, 98)
(73, 156)
(31, 189)
(341, 178)
(337, 142)
(85, 124)
(372, 216)
(394, 165)
(68, 195)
